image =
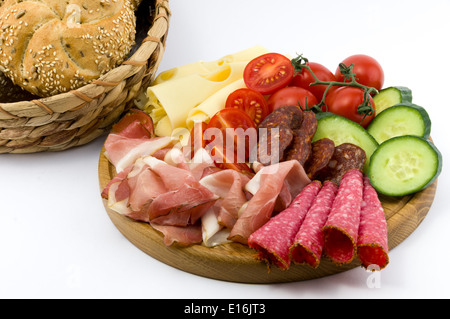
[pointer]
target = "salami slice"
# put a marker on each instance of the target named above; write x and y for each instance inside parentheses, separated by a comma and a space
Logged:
(274, 238)
(321, 153)
(341, 228)
(346, 156)
(372, 239)
(308, 243)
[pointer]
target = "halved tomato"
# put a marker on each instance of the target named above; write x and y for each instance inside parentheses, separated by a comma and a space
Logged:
(268, 73)
(233, 129)
(251, 102)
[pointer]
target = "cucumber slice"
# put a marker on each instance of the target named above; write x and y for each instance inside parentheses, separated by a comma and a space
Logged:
(400, 119)
(342, 130)
(391, 96)
(404, 165)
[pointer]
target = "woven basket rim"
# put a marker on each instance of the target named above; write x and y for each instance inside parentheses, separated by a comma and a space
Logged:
(74, 99)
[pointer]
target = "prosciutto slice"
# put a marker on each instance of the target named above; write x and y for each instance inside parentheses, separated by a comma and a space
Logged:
(123, 151)
(266, 187)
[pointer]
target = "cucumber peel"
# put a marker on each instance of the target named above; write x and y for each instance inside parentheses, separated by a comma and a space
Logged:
(391, 96)
(400, 119)
(404, 165)
(342, 130)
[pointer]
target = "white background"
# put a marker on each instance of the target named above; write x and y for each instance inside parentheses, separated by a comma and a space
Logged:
(56, 240)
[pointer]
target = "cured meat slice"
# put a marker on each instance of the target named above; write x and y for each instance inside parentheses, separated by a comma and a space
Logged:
(341, 228)
(321, 153)
(274, 239)
(229, 186)
(372, 240)
(183, 236)
(308, 243)
(346, 156)
(265, 187)
(300, 148)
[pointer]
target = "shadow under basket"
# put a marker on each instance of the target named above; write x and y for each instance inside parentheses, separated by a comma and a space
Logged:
(77, 117)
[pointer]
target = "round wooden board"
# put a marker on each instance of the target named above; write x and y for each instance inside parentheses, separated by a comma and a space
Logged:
(236, 263)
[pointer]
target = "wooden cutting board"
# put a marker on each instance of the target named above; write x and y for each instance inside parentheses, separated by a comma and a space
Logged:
(236, 263)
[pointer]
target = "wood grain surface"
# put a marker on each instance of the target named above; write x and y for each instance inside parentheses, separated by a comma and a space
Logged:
(236, 263)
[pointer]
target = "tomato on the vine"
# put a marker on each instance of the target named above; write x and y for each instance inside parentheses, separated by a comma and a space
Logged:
(251, 102)
(367, 71)
(268, 73)
(291, 95)
(345, 101)
(305, 78)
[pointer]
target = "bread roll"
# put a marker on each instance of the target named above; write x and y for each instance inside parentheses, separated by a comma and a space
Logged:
(51, 46)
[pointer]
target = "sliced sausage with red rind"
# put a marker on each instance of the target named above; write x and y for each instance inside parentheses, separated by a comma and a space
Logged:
(346, 157)
(272, 144)
(277, 129)
(300, 148)
(274, 238)
(308, 243)
(373, 236)
(321, 153)
(341, 228)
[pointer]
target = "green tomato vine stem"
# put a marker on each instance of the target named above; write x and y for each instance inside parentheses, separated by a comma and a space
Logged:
(366, 108)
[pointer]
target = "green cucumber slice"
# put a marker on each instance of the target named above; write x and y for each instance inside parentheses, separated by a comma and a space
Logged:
(404, 165)
(342, 130)
(391, 96)
(400, 119)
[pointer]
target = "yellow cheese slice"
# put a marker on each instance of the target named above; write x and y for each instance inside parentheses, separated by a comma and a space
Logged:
(179, 96)
(204, 111)
(208, 66)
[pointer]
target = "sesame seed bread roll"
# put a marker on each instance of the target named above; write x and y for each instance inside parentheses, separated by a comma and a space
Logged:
(51, 46)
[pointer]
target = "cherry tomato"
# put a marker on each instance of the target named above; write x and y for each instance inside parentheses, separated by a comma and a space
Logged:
(134, 124)
(231, 124)
(344, 101)
(251, 102)
(304, 79)
(368, 71)
(268, 73)
(291, 95)
(227, 162)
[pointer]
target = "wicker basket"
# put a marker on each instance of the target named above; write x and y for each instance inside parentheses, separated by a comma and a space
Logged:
(77, 117)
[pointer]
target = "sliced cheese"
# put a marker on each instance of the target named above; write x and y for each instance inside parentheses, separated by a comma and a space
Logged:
(179, 96)
(195, 92)
(205, 110)
(205, 67)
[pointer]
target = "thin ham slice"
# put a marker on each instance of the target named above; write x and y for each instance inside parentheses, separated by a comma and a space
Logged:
(229, 185)
(123, 151)
(183, 236)
(266, 186)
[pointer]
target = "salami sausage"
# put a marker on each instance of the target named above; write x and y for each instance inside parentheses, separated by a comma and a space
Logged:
(277, 129)
(346, 157)
(274, 238)
(308, 243)
(289, 116)
(372, 239)
(341, 228)
(272, 143)
(321, 153)
(300, 148)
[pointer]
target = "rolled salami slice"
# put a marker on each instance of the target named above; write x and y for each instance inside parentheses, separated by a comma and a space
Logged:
(341, 228)
(308, 243)
(372, 239)
(274, 238)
